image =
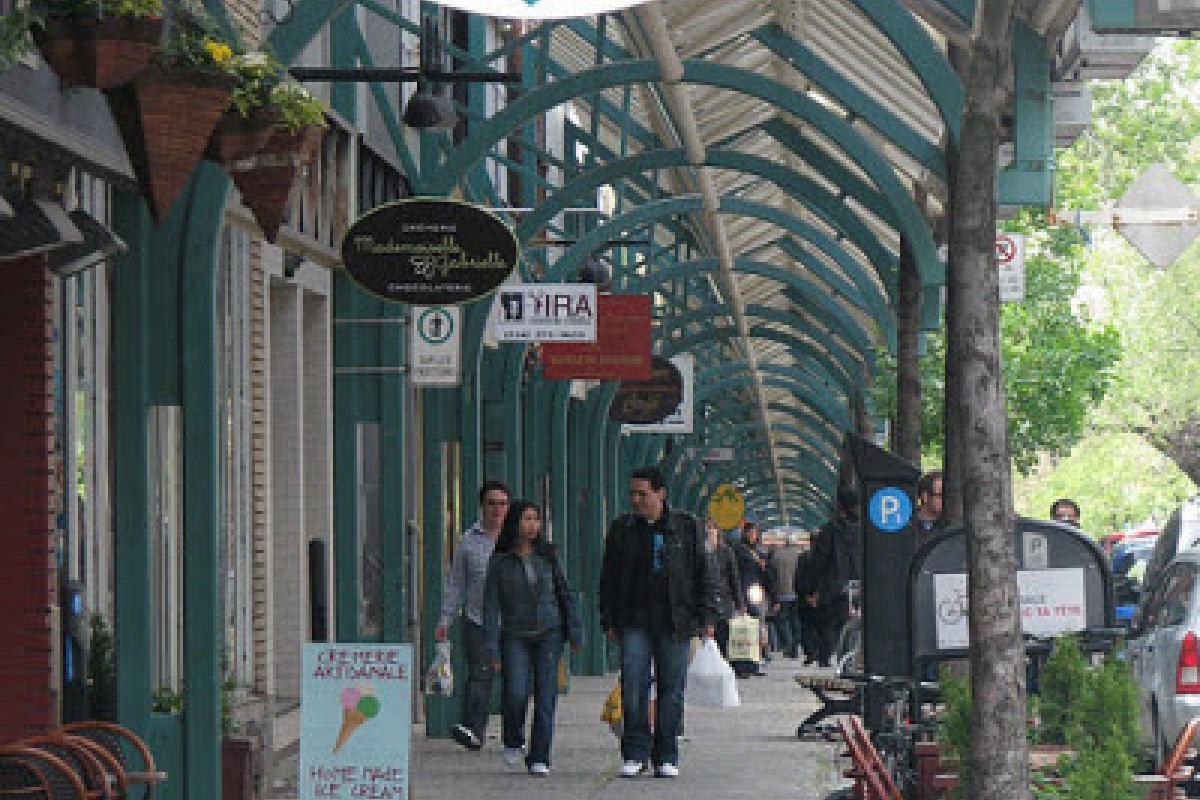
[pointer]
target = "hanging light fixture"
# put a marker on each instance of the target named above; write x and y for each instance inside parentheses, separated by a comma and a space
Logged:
(429, 108)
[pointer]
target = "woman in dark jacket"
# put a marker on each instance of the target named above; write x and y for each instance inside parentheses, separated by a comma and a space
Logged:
(726, 568)
(528, 611)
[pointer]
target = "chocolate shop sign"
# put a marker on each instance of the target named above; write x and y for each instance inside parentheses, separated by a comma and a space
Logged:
(429, 252)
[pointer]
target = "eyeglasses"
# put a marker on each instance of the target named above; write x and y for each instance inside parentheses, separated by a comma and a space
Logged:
(497, 502)
(1068, 520)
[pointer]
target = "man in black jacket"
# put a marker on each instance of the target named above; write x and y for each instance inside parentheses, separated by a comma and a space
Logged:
(657, 590)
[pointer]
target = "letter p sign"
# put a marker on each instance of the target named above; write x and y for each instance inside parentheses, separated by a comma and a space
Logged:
(890, 509)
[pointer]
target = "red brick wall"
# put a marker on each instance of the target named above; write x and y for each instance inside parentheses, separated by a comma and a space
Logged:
(28, 699)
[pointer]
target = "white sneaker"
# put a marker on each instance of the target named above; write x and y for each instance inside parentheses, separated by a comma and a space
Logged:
(631, 769)
(537, 768)
(513, 756)
(667, 771)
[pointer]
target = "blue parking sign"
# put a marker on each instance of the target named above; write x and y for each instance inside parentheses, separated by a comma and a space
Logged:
(890, 509)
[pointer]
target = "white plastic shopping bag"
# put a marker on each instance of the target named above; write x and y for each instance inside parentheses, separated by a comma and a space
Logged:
(710, 679)
(440, 679)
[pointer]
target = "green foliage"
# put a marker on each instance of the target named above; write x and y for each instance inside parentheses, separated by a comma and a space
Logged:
(1062, 681)
(261, 85)
(1118, 479)
(196, 45)
(297, 107)
(15, 43)
(165, 700)
(1094, 710)
(92, 8)
(1057, 362)
(102, 672)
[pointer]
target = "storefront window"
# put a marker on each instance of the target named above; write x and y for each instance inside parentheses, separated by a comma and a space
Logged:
(164, 481)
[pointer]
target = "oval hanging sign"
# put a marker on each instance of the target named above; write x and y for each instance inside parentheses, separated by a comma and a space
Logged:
(540, 9)
(429, 251)
(647, 402)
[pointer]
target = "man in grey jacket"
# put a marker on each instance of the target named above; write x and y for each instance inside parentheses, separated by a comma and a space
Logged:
(464, 591)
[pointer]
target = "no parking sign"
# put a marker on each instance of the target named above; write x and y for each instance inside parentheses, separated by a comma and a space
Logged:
(1010, 261)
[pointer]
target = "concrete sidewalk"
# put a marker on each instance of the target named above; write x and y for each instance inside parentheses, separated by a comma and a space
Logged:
(749, 752)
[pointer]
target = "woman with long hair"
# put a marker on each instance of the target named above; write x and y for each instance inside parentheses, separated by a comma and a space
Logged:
(528, 612)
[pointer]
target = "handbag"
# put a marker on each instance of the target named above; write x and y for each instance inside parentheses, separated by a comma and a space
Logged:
(743, 638)
(439, 681)
(710, 679)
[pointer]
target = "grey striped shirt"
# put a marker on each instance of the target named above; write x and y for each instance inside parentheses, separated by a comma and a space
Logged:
(467, 576)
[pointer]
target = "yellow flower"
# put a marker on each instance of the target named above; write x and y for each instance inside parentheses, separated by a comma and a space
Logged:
(219, 52)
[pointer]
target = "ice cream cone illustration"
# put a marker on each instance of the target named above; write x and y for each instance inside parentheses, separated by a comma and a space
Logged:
(359, 704)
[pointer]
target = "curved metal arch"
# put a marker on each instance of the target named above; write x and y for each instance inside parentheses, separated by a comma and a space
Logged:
(839, 364)
(607, 76)
(816, 416)
(940, 80)
(792, 380)
(828, 311)
(579, 188)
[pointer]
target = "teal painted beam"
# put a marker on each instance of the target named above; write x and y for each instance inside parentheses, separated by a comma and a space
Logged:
(710, 74)
(1114, 16)
(304, 21)
(853, 99)
(1030, 178)
(906, 33)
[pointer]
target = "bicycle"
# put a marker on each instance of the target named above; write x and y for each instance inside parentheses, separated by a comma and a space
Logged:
(896, 739)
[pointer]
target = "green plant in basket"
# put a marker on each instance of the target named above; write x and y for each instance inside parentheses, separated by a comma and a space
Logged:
(257, 75)
(297, 107)
(195, 45)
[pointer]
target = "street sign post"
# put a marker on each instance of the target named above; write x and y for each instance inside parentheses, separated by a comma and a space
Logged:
(435, 347)
(727, 507)
(1010, 261)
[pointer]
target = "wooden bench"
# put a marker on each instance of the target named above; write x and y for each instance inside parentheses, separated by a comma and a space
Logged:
(822, 686)
(871, 778)
(1175, 772)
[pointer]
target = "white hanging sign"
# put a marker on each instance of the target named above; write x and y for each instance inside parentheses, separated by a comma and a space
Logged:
(546, 312)
(540, 9)
(435, 347)
(1010, 260)
(680, 420)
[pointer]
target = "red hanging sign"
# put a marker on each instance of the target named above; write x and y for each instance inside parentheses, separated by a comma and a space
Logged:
(621, 350)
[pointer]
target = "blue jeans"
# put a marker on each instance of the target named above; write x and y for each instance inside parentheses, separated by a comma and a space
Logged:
(670, 656)
(478, 694)
(522, 659)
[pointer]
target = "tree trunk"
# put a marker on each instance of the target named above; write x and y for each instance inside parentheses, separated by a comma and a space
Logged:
(907, 437)
(1181, 444)
(999, 751)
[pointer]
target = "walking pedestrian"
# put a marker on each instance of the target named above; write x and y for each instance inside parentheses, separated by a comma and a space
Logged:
(756, 585)
(528, 611)
(657, 590)
(464, 593)
(781, 571)
(729, 585)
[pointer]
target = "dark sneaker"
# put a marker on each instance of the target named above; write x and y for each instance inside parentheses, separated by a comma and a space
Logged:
(465, 736)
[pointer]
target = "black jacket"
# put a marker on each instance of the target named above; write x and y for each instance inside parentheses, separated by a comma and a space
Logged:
(509, 602)
(728, 582)
(691, 581)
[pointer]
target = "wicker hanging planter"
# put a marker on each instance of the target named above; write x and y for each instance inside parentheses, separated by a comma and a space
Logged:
(236, 137)
(165, 118)
(102, 53)
(265, 180)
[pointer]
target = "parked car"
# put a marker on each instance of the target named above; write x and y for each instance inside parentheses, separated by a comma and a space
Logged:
(1182, 532)
(1110, 540)
(1164, 653)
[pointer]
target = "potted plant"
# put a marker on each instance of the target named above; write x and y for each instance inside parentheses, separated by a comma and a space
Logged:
(190, 79)
(265, 179)
(97, 43)
(249, 120)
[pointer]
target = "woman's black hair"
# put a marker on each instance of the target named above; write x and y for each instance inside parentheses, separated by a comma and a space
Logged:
(509, 531)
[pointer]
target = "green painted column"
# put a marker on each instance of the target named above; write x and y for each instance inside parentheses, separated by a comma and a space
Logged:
(393, 515)
(441, 712)
(196, 226)
(596, 521)
(130, 367)
(577, 487)
(512, 433)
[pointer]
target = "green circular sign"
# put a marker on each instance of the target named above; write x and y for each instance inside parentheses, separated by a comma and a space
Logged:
(435, 325)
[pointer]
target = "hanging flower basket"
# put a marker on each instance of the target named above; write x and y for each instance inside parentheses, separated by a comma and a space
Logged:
(102, 53)
(265, 180)
(236, 137)
(165, 118)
